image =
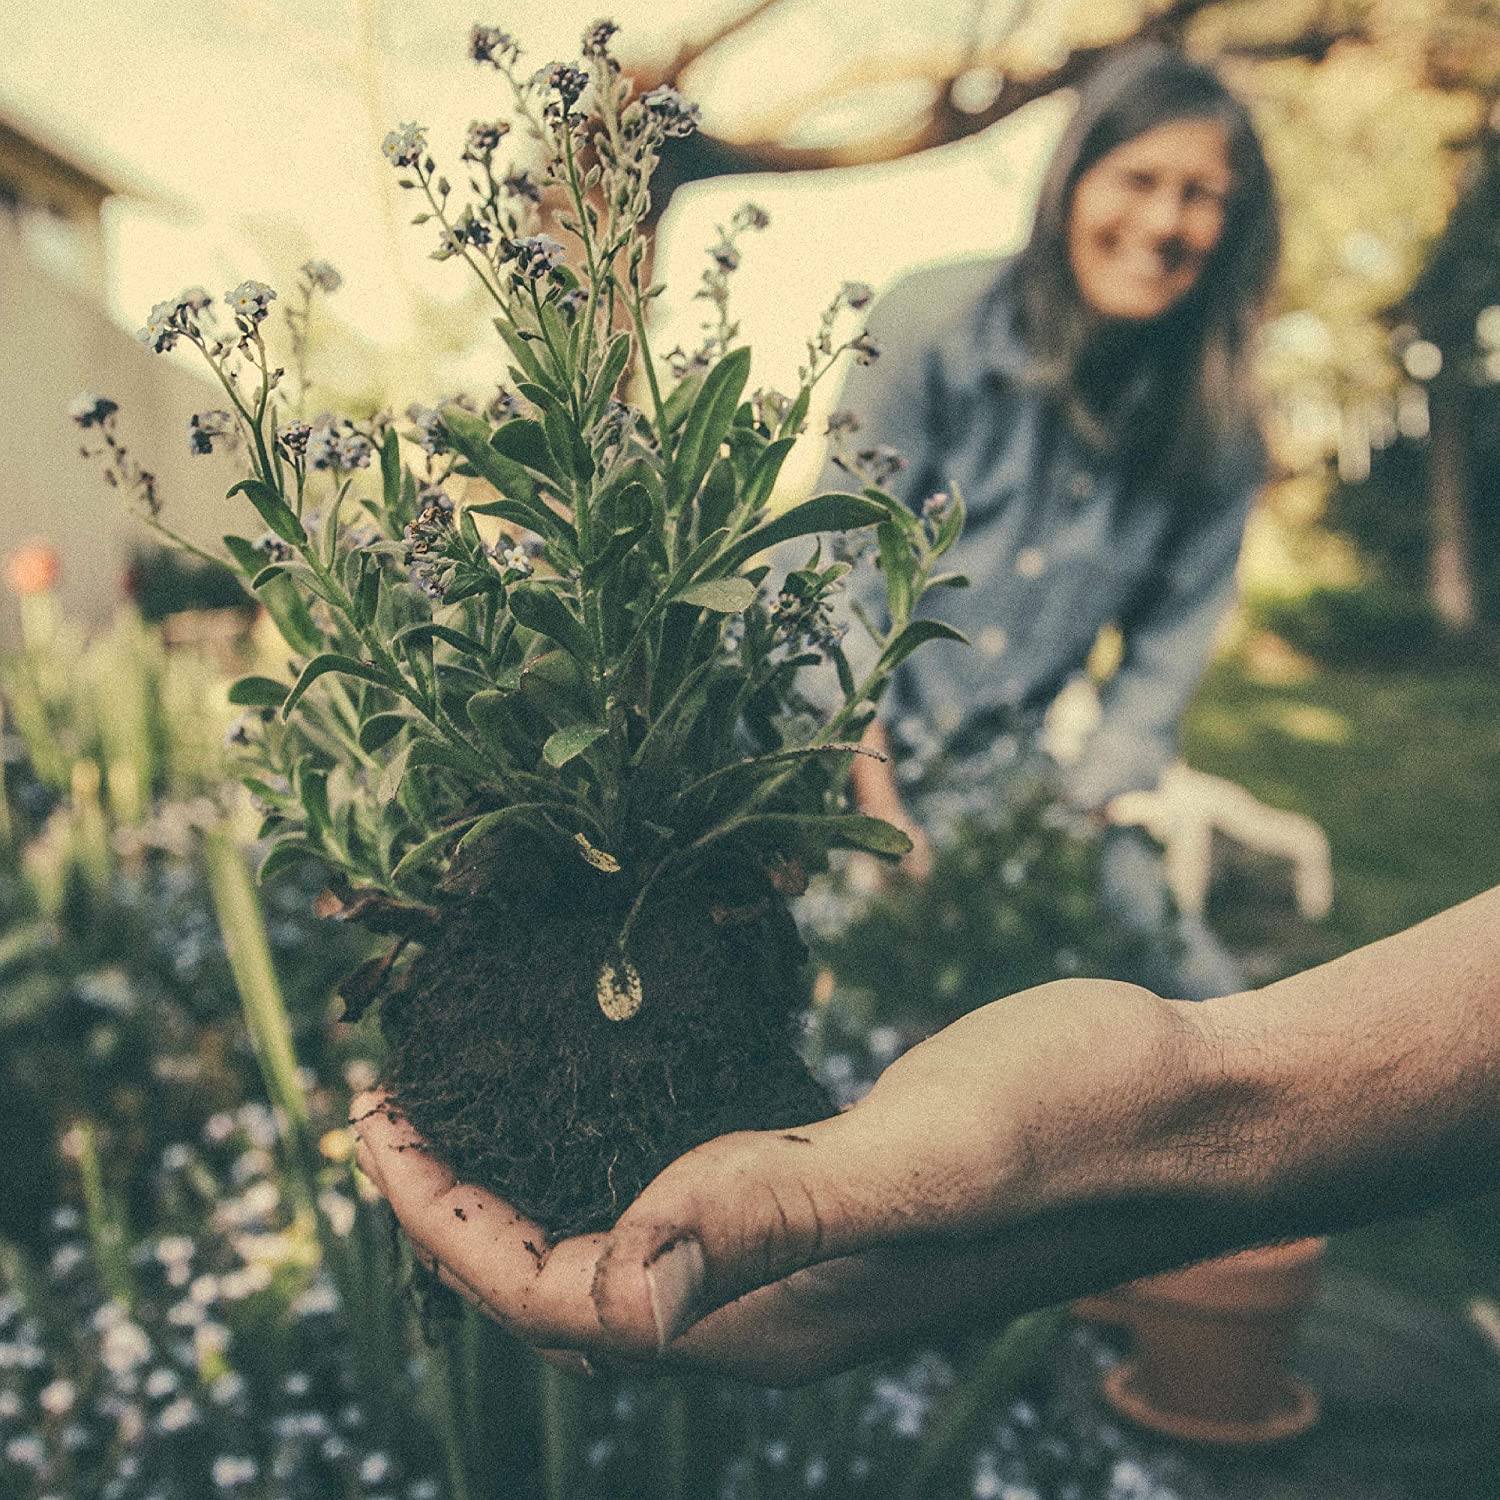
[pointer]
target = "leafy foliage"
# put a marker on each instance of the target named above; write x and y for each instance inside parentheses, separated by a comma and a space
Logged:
(563, 638)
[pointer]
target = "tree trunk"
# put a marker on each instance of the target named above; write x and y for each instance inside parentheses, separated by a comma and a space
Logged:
(1450, 567)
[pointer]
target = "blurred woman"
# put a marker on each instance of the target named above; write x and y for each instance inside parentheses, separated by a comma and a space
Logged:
(1090, 400)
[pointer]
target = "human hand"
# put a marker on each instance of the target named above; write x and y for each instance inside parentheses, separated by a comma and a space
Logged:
(782, 1256)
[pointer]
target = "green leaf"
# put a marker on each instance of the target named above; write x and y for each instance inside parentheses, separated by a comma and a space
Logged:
(274, 511)
(429, 752)
(390, 472)
(286, 607)
(523, 440)
(258, 692)
(380, 729)
(429, 848)
(470, 435)
(388, 783)
(493, 819)
(835, 830)
(899, 568)
(524, 357)
(540, 609)
(608, 377)
(765, 473)
(832, 512)
(948, 581)
(428, 629)
(791, 423)
(331, 661)
(725, 596)
(716, 502)
(560, 441)
(918, 633)
(953, 524)
(680, 402)
(564, 744)
(282, 855)
(709, 420)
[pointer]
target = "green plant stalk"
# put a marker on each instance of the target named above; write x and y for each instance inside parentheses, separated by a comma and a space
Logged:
(559, 1402)
(244, 931)
(105, 1230)
(675, 1443)
(1012, 1357)
(446, 1379)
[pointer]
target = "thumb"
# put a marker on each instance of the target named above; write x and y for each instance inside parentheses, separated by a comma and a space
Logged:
(738, 1213)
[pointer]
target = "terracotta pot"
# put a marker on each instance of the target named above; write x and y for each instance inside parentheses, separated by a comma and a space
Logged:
(1210, 1346)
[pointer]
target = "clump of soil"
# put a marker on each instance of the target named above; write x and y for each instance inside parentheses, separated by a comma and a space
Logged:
(503, 1061)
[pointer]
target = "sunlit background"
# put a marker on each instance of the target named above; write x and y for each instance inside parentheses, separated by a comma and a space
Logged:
(235, 140)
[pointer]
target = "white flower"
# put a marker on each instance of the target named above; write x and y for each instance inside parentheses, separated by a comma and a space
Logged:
(229, 1471)
(250, 300)
(404, 147)
(27, 1450)
(124, 1348)
(57, 1398)
(181, 1413)
(375, 1469)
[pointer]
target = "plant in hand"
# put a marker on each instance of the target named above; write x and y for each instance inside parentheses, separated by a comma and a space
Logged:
(541, 718)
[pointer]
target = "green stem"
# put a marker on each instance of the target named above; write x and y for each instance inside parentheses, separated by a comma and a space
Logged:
(106, 1233)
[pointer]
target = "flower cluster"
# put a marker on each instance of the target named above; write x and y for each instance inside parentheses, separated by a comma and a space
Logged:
(802, 614)
(89, 410)
(205, 428)
(250, 302)
(535, 257)
(489, 44)
(566, 85)
(403, 147)
(669, 112)
(427, 540)
(321, 275)
(293, 439)
(167, 1391)
(483, 139)
(336, 443)
(95, 415)
(170, 320)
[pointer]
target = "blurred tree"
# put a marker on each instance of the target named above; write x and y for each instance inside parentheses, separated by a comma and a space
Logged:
(1375, 115)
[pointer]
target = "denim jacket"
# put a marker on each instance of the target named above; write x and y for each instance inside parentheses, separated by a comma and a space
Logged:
(1054, 548)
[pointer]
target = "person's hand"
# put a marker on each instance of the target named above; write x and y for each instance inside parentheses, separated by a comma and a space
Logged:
(786, 1255)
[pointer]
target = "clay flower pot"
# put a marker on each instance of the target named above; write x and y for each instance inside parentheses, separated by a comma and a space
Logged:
(1210, 1346)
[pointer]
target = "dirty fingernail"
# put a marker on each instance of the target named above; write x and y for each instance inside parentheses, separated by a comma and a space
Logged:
(674, 1281)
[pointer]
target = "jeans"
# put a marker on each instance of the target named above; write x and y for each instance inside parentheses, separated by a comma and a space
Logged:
(1182, 959)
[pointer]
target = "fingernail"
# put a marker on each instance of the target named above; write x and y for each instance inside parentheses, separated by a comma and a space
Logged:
(674, 1282)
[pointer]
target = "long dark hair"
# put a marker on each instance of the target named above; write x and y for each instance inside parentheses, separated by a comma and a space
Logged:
(1187, 372)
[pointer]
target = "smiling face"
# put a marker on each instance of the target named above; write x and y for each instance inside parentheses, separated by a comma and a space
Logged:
(1146, 217)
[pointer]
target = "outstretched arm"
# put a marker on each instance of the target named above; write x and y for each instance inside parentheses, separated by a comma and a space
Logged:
(1051, 1144)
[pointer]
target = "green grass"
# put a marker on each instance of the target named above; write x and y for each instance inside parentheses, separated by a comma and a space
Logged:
(1402, 770)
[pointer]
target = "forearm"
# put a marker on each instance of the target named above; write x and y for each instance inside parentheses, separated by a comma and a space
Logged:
(1160, 1132)
(871, 780)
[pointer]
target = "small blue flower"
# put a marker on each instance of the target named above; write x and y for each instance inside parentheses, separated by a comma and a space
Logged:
(89, 410)
(250, 301)
(536, 256)
(205, 428)
(857, 294)
(489, 44)
(163, 327)
(484, 138)
(293, 439)
(669, 111)
(403, 147)
(322, 275)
